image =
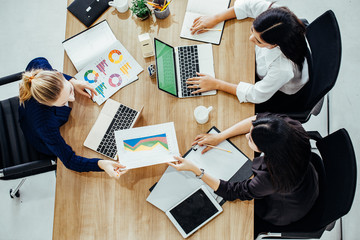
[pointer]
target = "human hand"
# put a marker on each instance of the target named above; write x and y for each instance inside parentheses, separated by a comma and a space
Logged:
(112, 168)
(207, 139)
(204, 82)
(200, 23)
(81, 85)
(183, 164)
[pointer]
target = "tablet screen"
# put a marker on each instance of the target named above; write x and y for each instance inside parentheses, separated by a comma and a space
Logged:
(194, 211)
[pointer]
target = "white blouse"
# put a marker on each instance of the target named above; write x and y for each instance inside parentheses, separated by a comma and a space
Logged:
(275, 70)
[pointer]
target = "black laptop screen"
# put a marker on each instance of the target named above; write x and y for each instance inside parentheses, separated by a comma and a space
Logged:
(165, 67)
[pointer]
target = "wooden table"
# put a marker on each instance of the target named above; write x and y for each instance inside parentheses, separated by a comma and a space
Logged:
(94, 206)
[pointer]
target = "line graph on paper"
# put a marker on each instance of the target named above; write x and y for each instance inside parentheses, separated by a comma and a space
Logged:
(147, 143)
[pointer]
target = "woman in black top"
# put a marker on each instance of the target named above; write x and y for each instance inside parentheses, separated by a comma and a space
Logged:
(285, 182)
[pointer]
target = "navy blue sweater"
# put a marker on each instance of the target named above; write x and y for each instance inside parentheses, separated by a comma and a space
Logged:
(41, 126)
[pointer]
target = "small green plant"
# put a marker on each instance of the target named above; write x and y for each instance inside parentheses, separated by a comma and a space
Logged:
(140, 9)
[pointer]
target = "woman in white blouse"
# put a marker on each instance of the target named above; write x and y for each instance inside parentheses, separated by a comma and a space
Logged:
(281, 47)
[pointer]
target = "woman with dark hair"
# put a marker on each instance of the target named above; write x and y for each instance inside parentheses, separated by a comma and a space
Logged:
(284, 184)
(280, 50)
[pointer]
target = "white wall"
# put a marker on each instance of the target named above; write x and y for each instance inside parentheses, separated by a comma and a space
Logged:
(30, 29)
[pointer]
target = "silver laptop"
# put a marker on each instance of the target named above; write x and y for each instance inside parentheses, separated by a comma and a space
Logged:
(174, 65)
(113, 116)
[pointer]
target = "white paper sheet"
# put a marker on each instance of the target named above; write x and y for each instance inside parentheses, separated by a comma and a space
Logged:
(145, 146)
(174, 185)
(86, 46)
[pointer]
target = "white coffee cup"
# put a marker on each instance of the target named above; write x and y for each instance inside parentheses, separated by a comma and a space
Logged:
(120, 5)
(201, 114)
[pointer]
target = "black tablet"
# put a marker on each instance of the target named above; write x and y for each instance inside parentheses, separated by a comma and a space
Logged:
(194, 211)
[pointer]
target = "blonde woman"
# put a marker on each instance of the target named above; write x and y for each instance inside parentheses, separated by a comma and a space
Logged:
(44, 96)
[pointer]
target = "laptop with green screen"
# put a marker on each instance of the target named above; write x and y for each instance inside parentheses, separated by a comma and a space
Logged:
(174, 65)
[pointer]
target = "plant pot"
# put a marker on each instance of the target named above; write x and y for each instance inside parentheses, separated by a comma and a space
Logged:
(143, 17)
(162, 14)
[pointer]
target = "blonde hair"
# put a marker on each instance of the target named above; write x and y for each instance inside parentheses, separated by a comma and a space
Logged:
(45, 86)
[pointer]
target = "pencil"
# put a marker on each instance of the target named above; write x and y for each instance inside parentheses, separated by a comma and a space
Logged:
(211, 29)
(217, 148)
(154, 5)
(166, 5)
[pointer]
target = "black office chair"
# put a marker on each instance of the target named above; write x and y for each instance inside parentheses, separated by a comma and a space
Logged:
(324, 38)
(323, 35)
(18, 158)
(337, 183)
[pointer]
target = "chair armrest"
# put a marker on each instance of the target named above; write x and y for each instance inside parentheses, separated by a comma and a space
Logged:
(26, 167)
(269, 235)
(302, 117)
(292, 235)
(11, 78)
(314, 135)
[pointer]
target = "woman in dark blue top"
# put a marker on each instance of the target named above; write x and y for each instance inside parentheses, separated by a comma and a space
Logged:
(44, 96)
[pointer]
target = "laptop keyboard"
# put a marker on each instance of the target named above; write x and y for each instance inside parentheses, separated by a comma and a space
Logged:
(123, 119)
(189, 65)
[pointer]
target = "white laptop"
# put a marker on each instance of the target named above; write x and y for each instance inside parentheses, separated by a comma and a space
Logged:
(174, 65)
(113, 116)
(194, 211)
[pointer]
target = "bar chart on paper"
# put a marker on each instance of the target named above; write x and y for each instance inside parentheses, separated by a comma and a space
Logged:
(100, 89)
(110, 71)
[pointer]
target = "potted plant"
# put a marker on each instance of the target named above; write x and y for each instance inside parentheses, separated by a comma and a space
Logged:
(140, 9)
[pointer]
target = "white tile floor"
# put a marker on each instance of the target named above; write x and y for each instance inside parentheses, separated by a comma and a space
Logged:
(37, 28)
(31, 215)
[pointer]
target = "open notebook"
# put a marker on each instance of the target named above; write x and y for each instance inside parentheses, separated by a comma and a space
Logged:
(197, 8)
(101, 60)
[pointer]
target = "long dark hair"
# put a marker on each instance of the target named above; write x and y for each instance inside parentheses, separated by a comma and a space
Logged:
(286, 149)
(281, 26)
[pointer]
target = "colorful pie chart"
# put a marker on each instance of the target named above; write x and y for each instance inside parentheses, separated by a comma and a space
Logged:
(96, 75)
(115, 80)
(115, 51)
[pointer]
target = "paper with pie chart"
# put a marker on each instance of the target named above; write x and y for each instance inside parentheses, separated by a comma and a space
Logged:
(145, 146)
(110, 71)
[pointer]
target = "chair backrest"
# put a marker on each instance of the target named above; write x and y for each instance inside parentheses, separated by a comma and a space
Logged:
(310, 222)
(14, 149)
(339, 161)
(323, 35)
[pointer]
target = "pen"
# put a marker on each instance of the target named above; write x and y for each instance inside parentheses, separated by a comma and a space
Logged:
(217, 148)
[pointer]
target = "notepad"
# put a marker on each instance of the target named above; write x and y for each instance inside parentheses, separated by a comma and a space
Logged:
(197, 8)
